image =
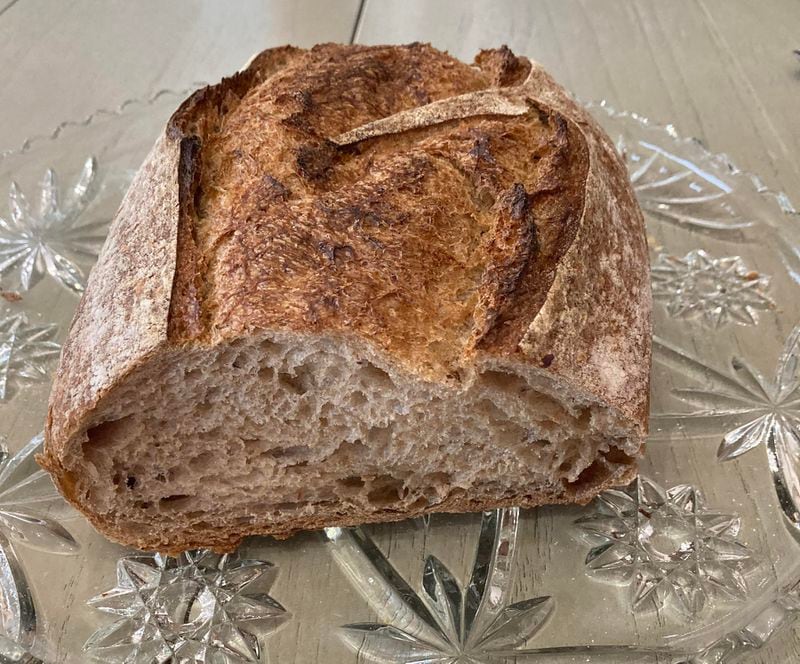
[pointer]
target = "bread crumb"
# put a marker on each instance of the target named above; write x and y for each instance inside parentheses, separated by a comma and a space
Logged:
(10, 296)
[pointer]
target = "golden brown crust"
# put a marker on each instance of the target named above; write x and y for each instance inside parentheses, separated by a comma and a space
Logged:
(442, 236)
(446, 214)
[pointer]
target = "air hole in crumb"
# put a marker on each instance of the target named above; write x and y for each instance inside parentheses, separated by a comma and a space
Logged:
(352, 482)
(492, 411)
(212, 434)
(269, 346)
(379, 436)
(539, 442)
(240, 361)
(347, 451)
(293, 451)
(266, 373)
(372, 374)
(592, 476)
(102, 434)
(288, 506)
(202, 462)
(385, 490)
(293, 383)
(174, 497)
(357, 399)
(616, 455)
(456, 493)
(175, 502)
(252, 445)
(503, 381)
(208, 404)
(304, 410)
(331, 377)
(193, 374)
(130, 482)
(437, 479)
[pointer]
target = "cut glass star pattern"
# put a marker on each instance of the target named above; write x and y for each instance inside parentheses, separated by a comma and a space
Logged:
(775, 617)
(28, 500)
(199, 607)
(671, 190)
(445, 624)
(29, 507)
(667, 546)
(755, 410)
(54, 238)
(720, 290)
(767, 409)
(26, 352)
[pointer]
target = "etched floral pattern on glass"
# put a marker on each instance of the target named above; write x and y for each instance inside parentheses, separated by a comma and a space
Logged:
(667, 546)
(198, 607)
(54, 237)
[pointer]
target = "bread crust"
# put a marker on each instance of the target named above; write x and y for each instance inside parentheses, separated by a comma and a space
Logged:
(609, 476)
(304, 194)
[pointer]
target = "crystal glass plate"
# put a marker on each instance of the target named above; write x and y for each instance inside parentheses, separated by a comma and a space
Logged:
(698, 561)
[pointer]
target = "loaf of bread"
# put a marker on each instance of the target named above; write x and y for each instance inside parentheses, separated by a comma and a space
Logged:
(356, 284)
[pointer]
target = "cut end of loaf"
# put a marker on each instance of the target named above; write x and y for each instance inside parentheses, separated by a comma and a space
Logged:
(274, 435)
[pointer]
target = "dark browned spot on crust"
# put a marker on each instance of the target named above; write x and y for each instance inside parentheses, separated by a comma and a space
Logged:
(315, 162)
(505, 68)
(185, 307)
(336, 252)
(481, 148)
(265, 192)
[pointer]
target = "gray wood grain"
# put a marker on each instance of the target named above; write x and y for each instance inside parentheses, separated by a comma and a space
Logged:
(720, 70)
(63, 60)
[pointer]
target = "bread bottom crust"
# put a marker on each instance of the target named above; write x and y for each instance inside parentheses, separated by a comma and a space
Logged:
(229, 542)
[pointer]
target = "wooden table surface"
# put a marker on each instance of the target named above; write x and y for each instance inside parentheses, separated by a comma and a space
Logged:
(720, 70)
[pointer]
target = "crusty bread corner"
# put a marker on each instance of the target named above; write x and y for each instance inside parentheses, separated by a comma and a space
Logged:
(356, 284)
